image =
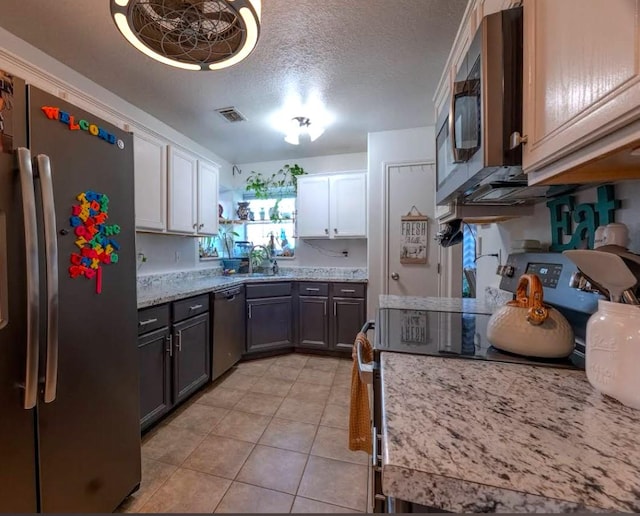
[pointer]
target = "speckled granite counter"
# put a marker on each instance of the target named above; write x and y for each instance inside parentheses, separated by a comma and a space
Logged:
(155, 289)
(466, 436)
(436, 304)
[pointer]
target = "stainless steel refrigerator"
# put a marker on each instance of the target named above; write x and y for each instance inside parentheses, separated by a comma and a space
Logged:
(69, 410)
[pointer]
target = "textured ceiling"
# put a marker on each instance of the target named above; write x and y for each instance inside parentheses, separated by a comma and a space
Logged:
(374, 64)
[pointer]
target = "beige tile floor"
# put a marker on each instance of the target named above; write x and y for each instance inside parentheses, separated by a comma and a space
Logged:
(270, 436)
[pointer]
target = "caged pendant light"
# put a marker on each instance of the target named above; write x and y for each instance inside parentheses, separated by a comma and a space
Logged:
(190, 34)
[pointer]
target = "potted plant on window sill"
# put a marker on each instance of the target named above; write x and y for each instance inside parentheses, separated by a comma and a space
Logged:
(274, 186)
(226, 236)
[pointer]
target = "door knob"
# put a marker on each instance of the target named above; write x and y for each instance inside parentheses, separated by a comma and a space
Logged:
(395, 276)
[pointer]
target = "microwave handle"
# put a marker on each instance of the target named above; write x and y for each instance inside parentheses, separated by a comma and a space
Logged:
(457, 88)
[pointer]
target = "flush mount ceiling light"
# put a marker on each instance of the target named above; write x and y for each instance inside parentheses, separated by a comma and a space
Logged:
(301, 125)
(190, 34)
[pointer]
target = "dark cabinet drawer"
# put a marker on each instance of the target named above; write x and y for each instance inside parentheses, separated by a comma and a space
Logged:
(190, 307)
(153, 318)
(307, 288)
(348, 290)
(268, 290)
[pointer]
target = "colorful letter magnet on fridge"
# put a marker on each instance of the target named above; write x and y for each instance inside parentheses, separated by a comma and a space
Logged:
(88, 222)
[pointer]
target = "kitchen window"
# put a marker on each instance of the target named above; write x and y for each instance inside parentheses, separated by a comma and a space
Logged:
(273, 226)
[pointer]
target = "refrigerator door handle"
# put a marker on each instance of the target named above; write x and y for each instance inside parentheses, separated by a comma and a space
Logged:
(51, 255)
(33, 279)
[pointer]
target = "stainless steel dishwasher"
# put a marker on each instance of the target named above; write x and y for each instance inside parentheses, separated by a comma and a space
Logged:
(228, 329)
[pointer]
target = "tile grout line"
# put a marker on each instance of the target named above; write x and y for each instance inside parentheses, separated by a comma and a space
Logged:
(254, 444)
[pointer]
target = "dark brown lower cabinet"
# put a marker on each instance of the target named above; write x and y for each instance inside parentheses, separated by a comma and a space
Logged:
(174, 349)
(191, 356)
(313, 322)
(155, 376)
(269, 323)
(348, 318)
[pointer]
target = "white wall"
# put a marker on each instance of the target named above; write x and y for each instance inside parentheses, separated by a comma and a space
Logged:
(385, 148)
(498, 237)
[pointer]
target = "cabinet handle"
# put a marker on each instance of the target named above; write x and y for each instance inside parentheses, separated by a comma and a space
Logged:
(324, 304)
(195, 226)
(195, 307)
(348, 290)
(200, 226)
(179, 341)
(335, 230)
(326, 231)
(309, 289)
(148, 321)
(335, 309)
(516, 139)
(249, 311)
(170, 348)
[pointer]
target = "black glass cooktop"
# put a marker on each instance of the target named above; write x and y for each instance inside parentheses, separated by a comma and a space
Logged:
(449, 334)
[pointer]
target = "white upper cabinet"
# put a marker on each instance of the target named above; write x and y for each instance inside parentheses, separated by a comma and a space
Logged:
(312, 205)
(348, 205)
(581, 77)
(332, 206)
(150, 169)
(182, 191)
(207, 198)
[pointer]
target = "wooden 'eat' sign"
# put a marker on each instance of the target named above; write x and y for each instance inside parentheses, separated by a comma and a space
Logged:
(413, 234)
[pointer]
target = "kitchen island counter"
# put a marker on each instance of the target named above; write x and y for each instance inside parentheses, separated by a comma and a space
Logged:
(163, 288)
(436, 304)
(468, 436)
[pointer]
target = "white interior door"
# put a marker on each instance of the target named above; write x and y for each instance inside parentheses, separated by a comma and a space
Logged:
(408, 186)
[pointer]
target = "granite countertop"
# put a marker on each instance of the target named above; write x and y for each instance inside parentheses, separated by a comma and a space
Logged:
(436, 304)
(468, 436)
(163, 288)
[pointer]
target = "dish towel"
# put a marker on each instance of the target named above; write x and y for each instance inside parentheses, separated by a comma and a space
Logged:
(359, 415)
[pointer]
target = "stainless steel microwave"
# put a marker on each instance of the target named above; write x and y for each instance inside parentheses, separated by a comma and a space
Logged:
(485, 109)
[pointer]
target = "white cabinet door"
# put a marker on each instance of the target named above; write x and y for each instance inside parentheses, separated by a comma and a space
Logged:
(182, 198)
(348, 205)
(207, 198)
(150, 171)
(581, 74)
(312, 205)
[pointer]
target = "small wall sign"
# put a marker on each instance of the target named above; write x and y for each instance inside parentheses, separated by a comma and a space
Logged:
(586, 217)
(413, 234)
(414, 329)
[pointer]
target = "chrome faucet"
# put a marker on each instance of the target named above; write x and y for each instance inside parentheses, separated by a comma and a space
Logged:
(267, 256)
